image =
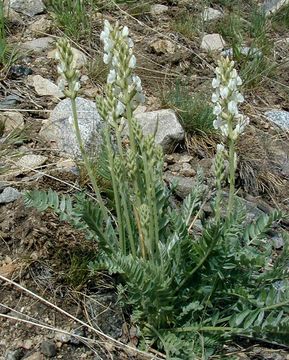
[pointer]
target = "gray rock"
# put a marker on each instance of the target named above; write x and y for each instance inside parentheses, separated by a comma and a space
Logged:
(278, 241)
(184, 184)
(210, 14)
(212, 42)
(38, 45)
(45, 87)
(14, 354)
(165, 125)
(75, 339)
(59, 132)
(158, 9)
(48, 348)
(8, 195)
(279, 117)
(245, 50)
(9, 101)
(27, 7)
(271, 6)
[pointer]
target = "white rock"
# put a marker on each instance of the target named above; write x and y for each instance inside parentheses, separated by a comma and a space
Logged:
(45, 87)
(80, 59)
(211, 14)
(27, 7)
(279, 117)
(38, 45)
(12, 120)
(59, 132)
(165, 125)
(158, 9)
(30, 162)
(212, 42)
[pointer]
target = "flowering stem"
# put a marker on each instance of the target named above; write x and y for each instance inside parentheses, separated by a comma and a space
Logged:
(231, 177)
(86, 159)
(115, 193)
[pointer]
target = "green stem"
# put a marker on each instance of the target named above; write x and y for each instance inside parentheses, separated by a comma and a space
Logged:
(218, 200)
(206, 328)
(124, 196)
(275, 306)
(231, 177)
(85, 158)
(117, 196)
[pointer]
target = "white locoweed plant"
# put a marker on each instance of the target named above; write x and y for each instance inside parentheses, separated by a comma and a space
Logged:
(188, 291)
(229, 121)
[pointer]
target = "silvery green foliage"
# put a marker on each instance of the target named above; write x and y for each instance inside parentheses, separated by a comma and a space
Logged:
(226, 98)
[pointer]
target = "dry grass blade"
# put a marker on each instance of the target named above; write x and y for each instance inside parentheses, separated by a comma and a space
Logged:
(108, 338)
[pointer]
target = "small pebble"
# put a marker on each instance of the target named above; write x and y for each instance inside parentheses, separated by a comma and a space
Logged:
(48, 348)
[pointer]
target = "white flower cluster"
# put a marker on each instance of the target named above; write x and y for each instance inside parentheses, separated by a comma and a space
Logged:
(226, 98)
(118, 53)
(69, 82)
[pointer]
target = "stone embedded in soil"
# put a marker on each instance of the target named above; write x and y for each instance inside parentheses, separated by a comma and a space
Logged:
(187, 170)
(210, 14)
(59, 132)
(279, 117)
(41, 25)
(271, 6)
(30, 162)
(184, 184)
(12, 15)
(27, 7)
(38, 45)
(185, 159)
(48, 348)
(74, 337)
(35, 356)
(158, 9)
(278, 241)
(45, 87)
(14, 354)
(212, 42)
(165, 125)
(12, 120)
(163, 47)
(9, 101)
(61, 337)
(9, 195)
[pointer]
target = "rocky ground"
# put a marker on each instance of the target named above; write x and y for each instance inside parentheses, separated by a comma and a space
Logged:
(38, 149)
